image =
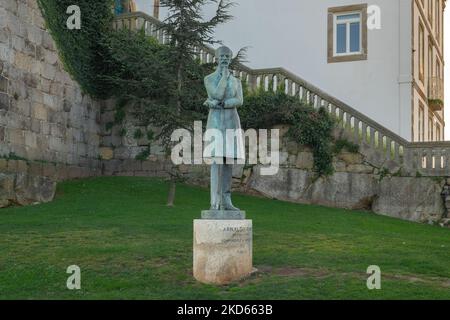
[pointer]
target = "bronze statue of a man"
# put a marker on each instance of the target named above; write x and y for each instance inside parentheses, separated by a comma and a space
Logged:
(224, 96)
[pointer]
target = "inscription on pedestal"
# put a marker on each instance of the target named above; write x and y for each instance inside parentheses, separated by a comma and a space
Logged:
(237, 234)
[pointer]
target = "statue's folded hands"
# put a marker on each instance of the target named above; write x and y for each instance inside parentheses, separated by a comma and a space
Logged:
(233, 103)
(212, 104)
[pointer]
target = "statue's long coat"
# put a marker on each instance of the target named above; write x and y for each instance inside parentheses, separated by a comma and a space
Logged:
(225, 118)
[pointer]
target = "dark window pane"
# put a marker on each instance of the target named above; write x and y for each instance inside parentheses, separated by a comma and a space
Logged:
(355, 32)
(341, 38)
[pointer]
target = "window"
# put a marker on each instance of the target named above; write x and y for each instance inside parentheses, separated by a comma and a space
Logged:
(430, 127)
(430, 61)
(421, 51)
(347, 33)
(438, 132)
(421, 123)
(438, 69)
(430, 11)
(437, 25)
(347, 38)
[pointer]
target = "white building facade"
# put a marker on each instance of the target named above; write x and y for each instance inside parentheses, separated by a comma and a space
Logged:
(384, 58)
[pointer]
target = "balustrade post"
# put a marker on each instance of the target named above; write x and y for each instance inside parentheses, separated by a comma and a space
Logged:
(396, 152)
(438, 161)
(364, 132)
(253, 82)
(288, 89)
(388, 148)
(348, 122)
(428, 160)
(446, 162)
(140, 23)
(380, 141)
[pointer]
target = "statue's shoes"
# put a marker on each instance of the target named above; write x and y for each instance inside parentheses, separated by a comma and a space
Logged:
(229, 207)
(215, 207)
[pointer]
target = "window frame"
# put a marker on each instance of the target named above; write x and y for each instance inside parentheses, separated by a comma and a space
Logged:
(421, 51)
(430, 126)
(438, 132)
(333, 13)
(347, 23)
(421, 122)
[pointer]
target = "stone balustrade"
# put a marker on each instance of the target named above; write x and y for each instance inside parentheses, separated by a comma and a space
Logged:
(378, 144)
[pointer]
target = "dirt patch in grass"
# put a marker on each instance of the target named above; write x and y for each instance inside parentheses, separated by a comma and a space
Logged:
(294, 272)
(323, 273)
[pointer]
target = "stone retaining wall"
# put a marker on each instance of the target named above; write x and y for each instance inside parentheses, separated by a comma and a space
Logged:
(27, 182)
(43, 114)
(356, 183)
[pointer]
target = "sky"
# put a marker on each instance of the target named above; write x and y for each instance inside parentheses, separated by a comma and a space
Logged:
(144, 5)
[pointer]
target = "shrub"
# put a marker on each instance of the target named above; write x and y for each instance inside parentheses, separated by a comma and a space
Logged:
(308, 126)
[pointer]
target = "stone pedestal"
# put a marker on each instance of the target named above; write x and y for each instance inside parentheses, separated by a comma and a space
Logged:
(223, 215)
(222, 250)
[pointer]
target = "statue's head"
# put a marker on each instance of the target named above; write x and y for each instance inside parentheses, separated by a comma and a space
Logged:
(224, 56)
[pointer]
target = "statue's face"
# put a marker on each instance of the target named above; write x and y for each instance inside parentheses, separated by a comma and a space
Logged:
(224, 59)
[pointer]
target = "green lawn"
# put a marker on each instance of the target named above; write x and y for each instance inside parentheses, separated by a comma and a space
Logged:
(129, 245)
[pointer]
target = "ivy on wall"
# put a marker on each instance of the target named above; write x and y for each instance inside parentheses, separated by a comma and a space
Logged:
(84, 52)
(307, 126)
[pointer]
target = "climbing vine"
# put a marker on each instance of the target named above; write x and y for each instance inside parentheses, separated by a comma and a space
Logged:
(84, 52)
(307, 126)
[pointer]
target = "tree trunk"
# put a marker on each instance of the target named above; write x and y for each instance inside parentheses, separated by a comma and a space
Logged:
(173, 185)
(171, 196)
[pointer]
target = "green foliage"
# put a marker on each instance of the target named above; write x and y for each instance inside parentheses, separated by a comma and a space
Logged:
(314, 129)
(144, 154)
(12, 156)
(150, 135)
(384, 172)
(308, 126)
(119, 116)
(138, 134)
(109, 126)
(83, 52)
(399, 173)
(341, 144)
(436, 102)
(142, 71)
(123, 132)
(265, 109)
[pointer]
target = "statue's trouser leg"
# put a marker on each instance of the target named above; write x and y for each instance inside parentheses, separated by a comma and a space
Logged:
(227, 176)
(216, 185)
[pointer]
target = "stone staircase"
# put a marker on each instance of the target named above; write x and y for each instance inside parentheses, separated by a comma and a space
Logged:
(379, 145)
